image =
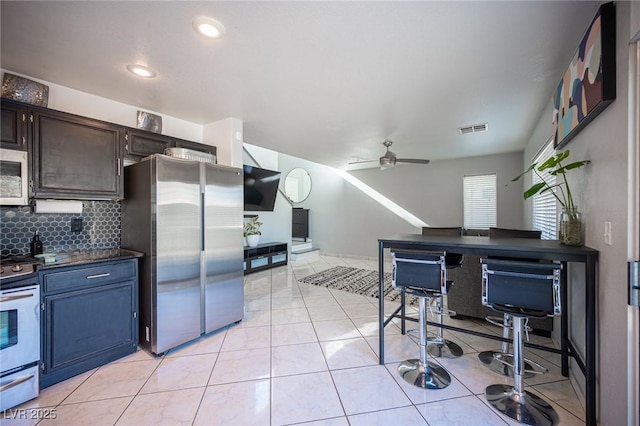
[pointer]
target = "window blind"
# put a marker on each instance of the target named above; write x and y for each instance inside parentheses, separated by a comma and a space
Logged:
(544, 215)
(480, 201)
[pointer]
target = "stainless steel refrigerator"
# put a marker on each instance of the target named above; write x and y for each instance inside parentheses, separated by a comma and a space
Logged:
(186, 217)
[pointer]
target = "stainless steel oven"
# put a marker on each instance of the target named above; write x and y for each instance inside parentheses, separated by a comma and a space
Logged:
(19, 334)
(14, 178)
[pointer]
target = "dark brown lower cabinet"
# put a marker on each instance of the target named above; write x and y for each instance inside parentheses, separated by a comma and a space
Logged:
(89, 317)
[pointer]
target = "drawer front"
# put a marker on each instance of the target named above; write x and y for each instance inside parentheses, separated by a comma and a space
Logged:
(300, 216)
(88, 276)
(279, 258)
(299, 230)
(259, 262)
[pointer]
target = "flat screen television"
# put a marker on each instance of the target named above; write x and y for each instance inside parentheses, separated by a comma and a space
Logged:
(260, 189)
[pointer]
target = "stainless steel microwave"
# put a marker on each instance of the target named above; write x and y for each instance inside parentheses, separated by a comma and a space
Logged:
(14, 178)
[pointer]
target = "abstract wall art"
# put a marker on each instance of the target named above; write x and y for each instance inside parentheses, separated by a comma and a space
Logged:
(588, 86)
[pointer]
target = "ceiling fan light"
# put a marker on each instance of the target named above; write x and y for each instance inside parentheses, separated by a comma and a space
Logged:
(387, 161)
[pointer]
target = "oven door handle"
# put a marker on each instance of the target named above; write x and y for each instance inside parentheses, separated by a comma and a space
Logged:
(16, 297)
(16, 382)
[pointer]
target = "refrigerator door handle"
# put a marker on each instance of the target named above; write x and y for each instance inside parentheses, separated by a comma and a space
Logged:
(202, 230)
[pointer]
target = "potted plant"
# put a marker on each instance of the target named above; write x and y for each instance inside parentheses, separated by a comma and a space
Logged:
(252, 231)
(570, 225)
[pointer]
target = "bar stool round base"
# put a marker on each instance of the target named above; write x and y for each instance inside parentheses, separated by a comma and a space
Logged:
(490, 360)
(526, 408)
(432, 377)
(444, 349)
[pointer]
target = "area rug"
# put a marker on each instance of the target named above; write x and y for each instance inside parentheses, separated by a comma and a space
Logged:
(356, 280)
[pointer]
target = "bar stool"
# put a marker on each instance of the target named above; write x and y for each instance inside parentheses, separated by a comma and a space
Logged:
(439, 346)
(501, 361)
(422, 274)
(522, 290)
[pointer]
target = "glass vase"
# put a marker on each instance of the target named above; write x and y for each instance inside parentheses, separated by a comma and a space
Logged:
(571, 227)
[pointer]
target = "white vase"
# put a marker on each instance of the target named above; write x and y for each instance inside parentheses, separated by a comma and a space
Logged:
(253, 240)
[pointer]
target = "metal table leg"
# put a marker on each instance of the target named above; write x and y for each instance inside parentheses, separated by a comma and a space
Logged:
(381, 301)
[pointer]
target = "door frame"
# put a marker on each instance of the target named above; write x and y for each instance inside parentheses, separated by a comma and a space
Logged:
(633, 243)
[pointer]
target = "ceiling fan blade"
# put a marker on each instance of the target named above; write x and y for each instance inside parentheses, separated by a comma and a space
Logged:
(412, 161)
(364, 161)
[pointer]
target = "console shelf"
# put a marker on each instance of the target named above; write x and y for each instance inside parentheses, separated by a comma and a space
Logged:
(265, 256)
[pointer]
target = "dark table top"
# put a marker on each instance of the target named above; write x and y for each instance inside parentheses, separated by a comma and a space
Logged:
(514, 247)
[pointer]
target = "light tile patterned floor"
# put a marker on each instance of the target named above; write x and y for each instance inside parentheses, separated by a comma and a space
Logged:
(302, 355)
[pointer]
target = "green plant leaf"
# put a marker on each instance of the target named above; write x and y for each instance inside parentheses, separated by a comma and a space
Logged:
(515, 179)
(533, 190)
(563, 195)
(551, 162)
(574, 165)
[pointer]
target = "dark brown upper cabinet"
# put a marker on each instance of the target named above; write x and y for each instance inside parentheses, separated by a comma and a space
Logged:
(141, 143)
(76, 157)
(209, 149)
(14, 126)
(79, 158)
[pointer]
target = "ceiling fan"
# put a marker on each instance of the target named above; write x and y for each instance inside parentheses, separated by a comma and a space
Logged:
(389, 159)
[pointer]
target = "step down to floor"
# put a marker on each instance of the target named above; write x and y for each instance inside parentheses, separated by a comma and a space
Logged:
(305, 254)
(300, 246)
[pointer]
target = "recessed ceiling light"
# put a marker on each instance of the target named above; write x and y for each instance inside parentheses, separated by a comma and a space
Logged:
(208, 27)
(141, 71)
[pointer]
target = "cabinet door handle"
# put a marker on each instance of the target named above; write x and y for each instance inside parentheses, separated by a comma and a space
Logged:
(16, 382)
(90, 277)
(11, 298)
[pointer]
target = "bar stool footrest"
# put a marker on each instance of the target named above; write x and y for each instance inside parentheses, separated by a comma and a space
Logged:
(502, 363)
(498, 321)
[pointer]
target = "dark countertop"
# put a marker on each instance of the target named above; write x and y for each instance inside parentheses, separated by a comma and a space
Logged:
(90, 256)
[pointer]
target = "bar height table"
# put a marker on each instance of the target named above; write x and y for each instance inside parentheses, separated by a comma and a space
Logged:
(526, 249)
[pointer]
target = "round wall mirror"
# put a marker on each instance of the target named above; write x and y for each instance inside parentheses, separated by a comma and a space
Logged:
(297, 185)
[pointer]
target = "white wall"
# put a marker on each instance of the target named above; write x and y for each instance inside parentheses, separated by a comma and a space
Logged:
(433, 192)
(225, 135)
(601, 190)
(343, 220)
(73, 101)
(276, 224)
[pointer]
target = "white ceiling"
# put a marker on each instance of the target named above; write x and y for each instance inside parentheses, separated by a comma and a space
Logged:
(323, 81)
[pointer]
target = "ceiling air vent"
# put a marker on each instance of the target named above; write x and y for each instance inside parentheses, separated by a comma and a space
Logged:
(476, 128)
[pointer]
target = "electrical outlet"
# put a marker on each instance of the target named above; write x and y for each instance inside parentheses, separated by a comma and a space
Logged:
(607, 233)
(76, 224)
